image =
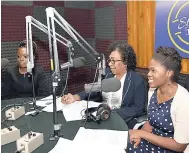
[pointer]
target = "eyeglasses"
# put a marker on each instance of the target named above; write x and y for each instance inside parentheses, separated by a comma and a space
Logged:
(112, 61)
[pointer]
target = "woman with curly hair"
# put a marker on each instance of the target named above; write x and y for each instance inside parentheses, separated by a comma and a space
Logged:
(130, 100)
(18, 83)
(166, 130)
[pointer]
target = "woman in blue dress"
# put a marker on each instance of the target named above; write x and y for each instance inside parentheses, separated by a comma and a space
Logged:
(166, 130)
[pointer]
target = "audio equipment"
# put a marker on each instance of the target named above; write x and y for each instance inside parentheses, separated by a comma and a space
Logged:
(15, 112)
(29, 142)
(103, 113)
(9, 134)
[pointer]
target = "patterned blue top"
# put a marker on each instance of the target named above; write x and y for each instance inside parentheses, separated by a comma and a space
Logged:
(159, 117)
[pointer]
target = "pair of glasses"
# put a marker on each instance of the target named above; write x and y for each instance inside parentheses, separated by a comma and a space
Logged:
(113, 61)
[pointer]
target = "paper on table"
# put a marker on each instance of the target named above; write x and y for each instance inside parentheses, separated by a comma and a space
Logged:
(62, 144)
(102, 137)
(73, 111)
(44, 101)
(49, 108)
(68, 146)
(28, 113)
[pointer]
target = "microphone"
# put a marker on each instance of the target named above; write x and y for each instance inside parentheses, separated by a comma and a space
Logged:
(108, 85)
(4, 63)
(76, 62)
(111, 85)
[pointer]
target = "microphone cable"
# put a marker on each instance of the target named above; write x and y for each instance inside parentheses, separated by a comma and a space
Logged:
(18, 104)
(2, 122)
(68, 71)
(10, 105)
(90, 95)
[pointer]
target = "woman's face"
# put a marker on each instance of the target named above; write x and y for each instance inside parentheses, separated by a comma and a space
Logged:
(116, 64)
(158, 75)
(22, 57)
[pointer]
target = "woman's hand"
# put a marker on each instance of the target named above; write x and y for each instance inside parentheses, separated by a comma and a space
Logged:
(69, 98)
(147, 127)
(136, 142)
(135, 136)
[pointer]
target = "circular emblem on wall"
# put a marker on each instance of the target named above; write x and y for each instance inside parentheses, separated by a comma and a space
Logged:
(178, 25)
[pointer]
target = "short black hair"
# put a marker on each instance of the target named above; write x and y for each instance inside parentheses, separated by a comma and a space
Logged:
(127, 53)
(170, 59)
(23, 44)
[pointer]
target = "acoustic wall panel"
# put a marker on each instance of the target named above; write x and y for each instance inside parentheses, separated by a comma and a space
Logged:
(82, 20)
(49, 3)
(102, 46)
(9, 51)
(14, 23)
(102, 4)
(120, 22)
(104, 23)
(79, 77)
(18, 3)
(80, 52)
(79, 4)
(122, 3)
(43, 54)
(40, 15)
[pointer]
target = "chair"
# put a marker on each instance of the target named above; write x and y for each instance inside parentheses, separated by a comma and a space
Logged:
(132, 122)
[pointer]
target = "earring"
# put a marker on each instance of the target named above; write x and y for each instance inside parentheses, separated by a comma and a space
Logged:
(169, 82)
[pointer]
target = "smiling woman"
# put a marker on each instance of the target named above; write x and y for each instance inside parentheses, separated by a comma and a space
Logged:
(168, 109)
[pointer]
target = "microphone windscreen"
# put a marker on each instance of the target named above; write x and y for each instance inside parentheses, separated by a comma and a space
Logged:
(79, 62)
(111, 85)
(4, 63)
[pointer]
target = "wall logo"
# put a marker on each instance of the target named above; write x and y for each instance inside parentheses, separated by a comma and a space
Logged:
(178, 25)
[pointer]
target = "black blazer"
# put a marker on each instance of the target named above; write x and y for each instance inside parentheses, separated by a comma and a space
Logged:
(16, 85)
(134, 97)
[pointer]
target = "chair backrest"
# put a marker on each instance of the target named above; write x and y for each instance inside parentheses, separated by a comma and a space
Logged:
(182, 78)
(147, 88)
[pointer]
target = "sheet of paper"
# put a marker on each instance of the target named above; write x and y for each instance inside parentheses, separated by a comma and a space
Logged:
(44, 101)
(68, 146)
(102, 137)
(28, 113)
(62, 145)
(49, 108)
(75, 111)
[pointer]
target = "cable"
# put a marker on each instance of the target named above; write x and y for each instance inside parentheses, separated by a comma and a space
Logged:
(90, 94)
(20, 150)
(8, 127)
(5, 119)
(15, 105)
(66, 82)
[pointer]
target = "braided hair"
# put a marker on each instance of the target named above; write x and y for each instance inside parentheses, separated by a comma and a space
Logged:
(127, 54)
(170, 59)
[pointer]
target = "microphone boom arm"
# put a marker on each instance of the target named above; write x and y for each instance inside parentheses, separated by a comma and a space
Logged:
(54, 59)
(32, 21)
(52, 14)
